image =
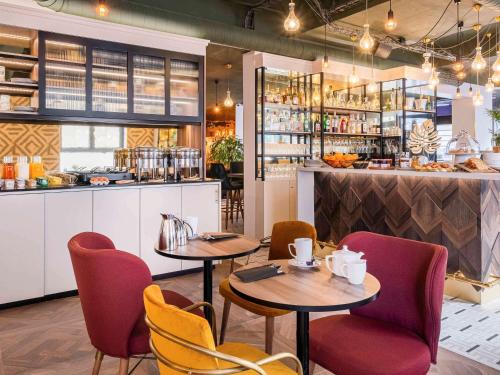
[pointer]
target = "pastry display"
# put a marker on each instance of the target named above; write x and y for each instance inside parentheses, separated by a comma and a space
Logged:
(477, 164)
(99, 181)
(435, 167)
(340, 160)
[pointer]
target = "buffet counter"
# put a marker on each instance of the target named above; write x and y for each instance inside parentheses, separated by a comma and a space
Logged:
(36, 224)
(459, 210)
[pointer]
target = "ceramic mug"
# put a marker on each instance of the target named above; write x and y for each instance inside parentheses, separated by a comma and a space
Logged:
(355, 271)
(303, 250)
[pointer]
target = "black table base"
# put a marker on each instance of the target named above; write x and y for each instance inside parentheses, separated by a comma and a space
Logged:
(207, 288)
(303, 339)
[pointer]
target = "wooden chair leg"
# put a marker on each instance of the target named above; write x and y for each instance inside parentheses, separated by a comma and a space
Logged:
(123, 366)
(269, 334)
(312, 365)
(237, 204)
(97, 362)
(225, 318)
(232, 207)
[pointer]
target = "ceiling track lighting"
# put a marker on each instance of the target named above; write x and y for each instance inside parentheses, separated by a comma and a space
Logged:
(479, 63)
(390, 23)
(102, 9)
(292, 23)
(366, 43)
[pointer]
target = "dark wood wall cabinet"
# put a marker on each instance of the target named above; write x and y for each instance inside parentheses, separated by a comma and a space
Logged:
(90, 79)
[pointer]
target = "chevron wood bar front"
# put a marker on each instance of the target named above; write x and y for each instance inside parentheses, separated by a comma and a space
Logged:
(457, 210)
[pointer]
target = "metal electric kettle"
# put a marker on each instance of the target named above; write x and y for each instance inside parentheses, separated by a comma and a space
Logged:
(174, 232)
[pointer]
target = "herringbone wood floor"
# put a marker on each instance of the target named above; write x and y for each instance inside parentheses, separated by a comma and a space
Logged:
(50, 337)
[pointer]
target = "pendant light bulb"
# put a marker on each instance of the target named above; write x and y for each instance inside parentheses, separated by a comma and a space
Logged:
(496, 78)
(478, 99)
(372, 87)
(292, 23)
(461, 75)
(102, 9)
(479, 63)
(427, 66)
(434, 79)
(470, 92)
(228, 102)
(458, 66)
(490, 86)
(353, 78)
(458, 93)
(325, 61)
(390, 23)
(496, 64)
(366, 42)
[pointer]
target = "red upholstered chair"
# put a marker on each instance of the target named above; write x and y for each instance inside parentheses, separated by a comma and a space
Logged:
(111, 283)
(398, 333)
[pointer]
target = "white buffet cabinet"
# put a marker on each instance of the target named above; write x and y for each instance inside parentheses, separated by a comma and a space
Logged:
(35, 227)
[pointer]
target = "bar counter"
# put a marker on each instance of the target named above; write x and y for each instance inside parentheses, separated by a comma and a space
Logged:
(459, 210)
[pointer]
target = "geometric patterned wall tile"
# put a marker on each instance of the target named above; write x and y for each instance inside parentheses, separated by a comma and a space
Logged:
(462, 215)
(140, 137)
(31, 139)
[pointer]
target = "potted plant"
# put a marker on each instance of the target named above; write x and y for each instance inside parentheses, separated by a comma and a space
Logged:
(495, 116)
(226, 149)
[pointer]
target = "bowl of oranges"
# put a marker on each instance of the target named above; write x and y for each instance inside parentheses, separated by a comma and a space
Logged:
(339, 160)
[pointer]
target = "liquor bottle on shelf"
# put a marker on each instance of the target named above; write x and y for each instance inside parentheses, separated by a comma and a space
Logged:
(317, 124)
(295, 97)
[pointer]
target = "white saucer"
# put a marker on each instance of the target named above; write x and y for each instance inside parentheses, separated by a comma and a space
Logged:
(294, 263)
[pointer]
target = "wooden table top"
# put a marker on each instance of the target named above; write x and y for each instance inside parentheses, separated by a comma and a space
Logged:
(214, 250)
(306, 289)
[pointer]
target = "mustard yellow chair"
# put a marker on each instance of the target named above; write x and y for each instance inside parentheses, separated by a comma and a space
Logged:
(283, 233)
(184, 344)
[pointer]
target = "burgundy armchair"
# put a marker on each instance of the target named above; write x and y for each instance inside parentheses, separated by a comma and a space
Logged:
(110, 284)
(398, 333)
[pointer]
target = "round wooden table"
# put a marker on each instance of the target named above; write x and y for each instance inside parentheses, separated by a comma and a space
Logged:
(208, 251)
(305, 291)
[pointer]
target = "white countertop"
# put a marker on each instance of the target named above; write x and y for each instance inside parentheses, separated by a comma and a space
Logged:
(400, 172)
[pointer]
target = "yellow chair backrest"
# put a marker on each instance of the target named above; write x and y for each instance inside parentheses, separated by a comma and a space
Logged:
(182, 324)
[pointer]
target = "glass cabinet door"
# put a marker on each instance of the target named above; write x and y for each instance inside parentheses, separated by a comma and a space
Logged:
(109, 81)
(184, 95)
(149, 85)
(65, 76)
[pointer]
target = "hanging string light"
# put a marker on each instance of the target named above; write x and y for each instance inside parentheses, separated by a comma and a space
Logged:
(228, 102)
(353, 77)
(496, 64)
(426, 66)
(372, 86)
(477, 99)
(490, 86)
(366, 42)
(102, 9)
(216, 108)
(292, 23)
(478, 63)
(434, 78)
(325, 57)
(470, 92)
(461, 75)
(459, 65)
(390, 23)
(458, 93)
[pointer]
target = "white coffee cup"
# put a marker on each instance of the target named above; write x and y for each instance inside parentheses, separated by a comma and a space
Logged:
(355, 271)
(303, 250)
(192, 221)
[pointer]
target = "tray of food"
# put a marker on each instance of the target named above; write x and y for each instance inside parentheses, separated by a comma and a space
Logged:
(476, 165)
(340, 160)
(434, 167)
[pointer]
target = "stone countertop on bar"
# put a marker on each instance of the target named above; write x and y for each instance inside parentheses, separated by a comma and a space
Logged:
(402, 172)
(110, 186)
